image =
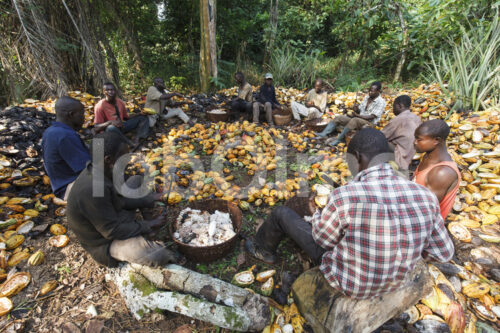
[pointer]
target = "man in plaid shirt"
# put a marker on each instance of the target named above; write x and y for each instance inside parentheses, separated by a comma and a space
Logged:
(371, 233)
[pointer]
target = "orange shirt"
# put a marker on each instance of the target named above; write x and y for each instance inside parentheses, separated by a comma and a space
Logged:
(449, 199)
(105, 111)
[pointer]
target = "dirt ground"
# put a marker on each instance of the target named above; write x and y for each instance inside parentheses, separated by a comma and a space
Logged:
(82, 284)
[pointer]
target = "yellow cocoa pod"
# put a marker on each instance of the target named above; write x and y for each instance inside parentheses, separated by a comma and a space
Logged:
(476, 290)
(17, 258)
(48, 287)
(36, 258)
(57, 229)
(14, 241)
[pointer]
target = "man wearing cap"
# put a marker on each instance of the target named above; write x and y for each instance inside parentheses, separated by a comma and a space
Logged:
(266, 100)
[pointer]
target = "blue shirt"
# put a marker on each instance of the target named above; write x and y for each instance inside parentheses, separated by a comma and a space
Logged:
(64, 156)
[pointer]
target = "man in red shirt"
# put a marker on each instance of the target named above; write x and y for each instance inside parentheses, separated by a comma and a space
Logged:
(110, 114)
(371, 233)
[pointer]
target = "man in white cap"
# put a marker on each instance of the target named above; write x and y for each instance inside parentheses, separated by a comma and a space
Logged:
(266, 100)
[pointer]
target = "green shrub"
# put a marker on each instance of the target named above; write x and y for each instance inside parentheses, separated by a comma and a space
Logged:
(470, 72)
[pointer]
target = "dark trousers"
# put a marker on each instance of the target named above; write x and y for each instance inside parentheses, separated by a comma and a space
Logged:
(141, 123)
(282, 222)
(240, 108)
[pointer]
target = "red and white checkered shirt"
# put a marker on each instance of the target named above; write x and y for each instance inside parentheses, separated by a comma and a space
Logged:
(375, 229)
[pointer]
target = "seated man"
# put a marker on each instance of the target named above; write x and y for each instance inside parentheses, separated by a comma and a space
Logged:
(110, 114)
(105, 224)
(157, 99)
(64, 153)
(371, 233)
(243, 102)
(368, 114)
(266, 100)
(400, 131)
(437, 171)
(315, 103)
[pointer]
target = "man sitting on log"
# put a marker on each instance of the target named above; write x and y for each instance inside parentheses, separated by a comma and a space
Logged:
(372, 231)
(104, 219)
(315, 103)
(437, 171)
(157, 99)
(367, 115)
(111, 115)
(266, 100)
(64, 153)
(400, 131)
(242, 104)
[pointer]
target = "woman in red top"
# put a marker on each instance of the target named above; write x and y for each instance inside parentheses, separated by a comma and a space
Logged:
(437, 171)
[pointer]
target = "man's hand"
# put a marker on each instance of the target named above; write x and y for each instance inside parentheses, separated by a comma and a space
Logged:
(158, 196)
(157, 222)
(116, 123)
(355, 107)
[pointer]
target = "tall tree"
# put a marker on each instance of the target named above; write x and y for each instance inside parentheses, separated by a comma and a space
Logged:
(208, 46)
(272, 30)
(404, 31)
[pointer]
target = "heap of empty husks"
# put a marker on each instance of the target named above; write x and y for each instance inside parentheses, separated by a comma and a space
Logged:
(200, 228)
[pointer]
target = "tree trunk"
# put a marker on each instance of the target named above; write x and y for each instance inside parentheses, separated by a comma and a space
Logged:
(110, 55)
(132, 44)
(190, 32)
(404, 30)
(89, 41)
(178, 278)
(273, 30)
(192, 294)
(208, 46)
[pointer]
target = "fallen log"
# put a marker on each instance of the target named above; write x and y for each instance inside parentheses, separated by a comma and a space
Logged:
(178, 278)
(223, 304)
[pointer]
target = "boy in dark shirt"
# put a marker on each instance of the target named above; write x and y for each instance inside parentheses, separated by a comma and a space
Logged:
(103, 219)
(266, 100)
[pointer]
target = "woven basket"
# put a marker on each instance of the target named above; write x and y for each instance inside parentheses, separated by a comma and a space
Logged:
(313, 125)
(216, 117)
(214, 252)
(282, 118)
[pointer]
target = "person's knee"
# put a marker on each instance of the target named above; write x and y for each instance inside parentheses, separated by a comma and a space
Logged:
(280, 212)
(268, 105)
(134, 181)
(353, 124)
(112, 128)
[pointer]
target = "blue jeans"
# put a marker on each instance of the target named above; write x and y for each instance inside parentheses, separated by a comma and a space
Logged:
(141, 123)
